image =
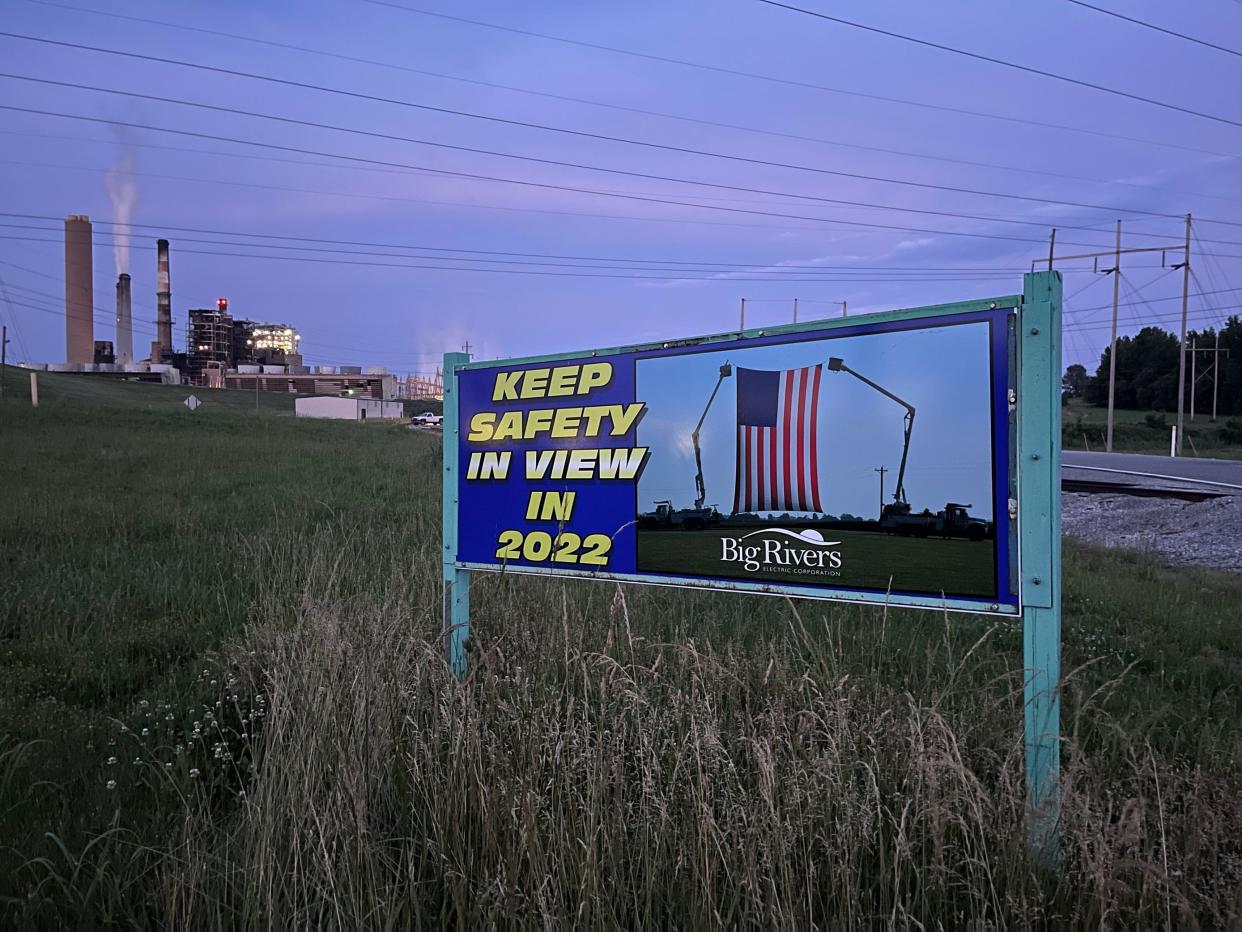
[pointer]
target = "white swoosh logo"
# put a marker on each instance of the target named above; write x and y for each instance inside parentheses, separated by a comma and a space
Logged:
(809, 536)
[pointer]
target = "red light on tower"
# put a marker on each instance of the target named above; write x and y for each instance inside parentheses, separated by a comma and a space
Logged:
(222, 304)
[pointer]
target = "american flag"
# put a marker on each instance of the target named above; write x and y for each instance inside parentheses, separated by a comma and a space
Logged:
(777, 412)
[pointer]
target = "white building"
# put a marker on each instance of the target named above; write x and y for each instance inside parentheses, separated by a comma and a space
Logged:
(348, 409)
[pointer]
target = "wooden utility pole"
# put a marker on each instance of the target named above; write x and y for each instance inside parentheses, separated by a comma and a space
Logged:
(1193, 377)
(1216, 374)
(795, 310)
(1181, 343)
(1112, 346)
(742, 318)
(882, 470)
(4, 352)
(1052, 247)
(845, 308)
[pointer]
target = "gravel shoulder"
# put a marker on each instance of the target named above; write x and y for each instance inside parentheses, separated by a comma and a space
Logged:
(1205, 533)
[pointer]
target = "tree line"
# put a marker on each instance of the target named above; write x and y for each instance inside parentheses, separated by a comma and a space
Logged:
(1147, 365)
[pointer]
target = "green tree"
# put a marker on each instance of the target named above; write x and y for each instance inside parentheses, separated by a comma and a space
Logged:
(1074, 382)
(1146, 372)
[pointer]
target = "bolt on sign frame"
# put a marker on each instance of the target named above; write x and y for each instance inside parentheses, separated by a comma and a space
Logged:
(513, 503)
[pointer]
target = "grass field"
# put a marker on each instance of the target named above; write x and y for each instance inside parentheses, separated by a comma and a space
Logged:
(869, 561)
(225, 706)
(1085, 427)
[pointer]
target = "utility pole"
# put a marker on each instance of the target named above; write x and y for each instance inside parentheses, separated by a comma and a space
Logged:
(1052, 247)
(466, 347)
(1216, 373)
(1112, 346)
(742, 319)
(845, 307)
(1181, 356)
(882, 470)
(1193, 377)
(795, 320)
(4, 352)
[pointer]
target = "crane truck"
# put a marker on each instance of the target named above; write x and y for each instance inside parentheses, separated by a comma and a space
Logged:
(897, 517)
(701, 516)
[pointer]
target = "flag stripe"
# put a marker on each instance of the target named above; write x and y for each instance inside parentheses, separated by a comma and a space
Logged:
(814, 425)
(801, 440)
(759, 465)
(749, 431)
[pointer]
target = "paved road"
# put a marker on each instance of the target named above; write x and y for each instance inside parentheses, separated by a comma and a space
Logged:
(1182, 467)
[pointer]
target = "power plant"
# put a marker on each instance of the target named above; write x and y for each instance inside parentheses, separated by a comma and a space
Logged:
(161, 349)
(79, 291)
(124, 347)
(222, 351)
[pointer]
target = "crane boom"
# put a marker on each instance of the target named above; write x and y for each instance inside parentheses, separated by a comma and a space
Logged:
(700, 489)
(835, 364)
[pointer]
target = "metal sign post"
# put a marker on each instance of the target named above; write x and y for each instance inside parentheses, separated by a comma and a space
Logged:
(552, 467)
(1039, 523)
(456, 581)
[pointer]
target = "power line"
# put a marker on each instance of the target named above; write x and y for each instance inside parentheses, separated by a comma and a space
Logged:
(494, 252)
(977, 56)
(785, 81)
(683, 150)
(715, 269)
(1153, 26)
(717, 277)
(669, 116)
(534, 184)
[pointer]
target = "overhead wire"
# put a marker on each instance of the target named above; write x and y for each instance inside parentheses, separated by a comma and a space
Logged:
(538, 184)
(685, 150)
(806, 85)
(492, 252)
(1004, 63)
(637, 110)
(1152, 26)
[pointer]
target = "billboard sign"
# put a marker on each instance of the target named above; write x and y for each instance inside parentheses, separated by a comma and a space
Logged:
(865, 460)
(908, 458)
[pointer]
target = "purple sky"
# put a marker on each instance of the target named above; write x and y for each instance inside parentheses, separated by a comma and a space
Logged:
(407, 317)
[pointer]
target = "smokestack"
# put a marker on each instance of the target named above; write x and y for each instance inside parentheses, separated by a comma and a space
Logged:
(79, 290)
(124, 321)
(163, 301)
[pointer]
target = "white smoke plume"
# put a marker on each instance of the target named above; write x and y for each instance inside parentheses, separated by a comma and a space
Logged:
(122, 185)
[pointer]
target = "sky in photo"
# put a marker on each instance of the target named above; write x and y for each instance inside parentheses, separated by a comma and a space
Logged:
(908, 175)
(942, 371)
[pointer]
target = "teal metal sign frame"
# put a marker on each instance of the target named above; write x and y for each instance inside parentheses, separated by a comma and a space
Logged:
(1034, 505)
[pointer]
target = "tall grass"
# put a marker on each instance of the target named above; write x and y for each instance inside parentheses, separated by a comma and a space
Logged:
(639, 758)
(231, 709)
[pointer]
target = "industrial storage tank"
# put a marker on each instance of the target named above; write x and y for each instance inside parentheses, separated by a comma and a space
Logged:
(351, 370)
(377, 370)
(299, 370)
(249, 370)
(273, 370)
(325, 370)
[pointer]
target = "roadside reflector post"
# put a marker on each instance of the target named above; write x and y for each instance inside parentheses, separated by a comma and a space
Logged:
(1039, 503)
(34, 389)
(456, 581)
(1173, 440)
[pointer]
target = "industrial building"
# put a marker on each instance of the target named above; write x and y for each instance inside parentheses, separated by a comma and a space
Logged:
(222, 351)
(348, 409)
(79, 290)
(376, 383)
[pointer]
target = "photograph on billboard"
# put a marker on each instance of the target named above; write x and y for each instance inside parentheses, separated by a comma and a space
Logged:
(863, 458)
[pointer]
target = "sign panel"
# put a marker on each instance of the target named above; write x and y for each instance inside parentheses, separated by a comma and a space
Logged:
(868, 460)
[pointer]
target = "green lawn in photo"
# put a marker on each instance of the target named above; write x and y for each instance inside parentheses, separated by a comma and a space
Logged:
(869, 561)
